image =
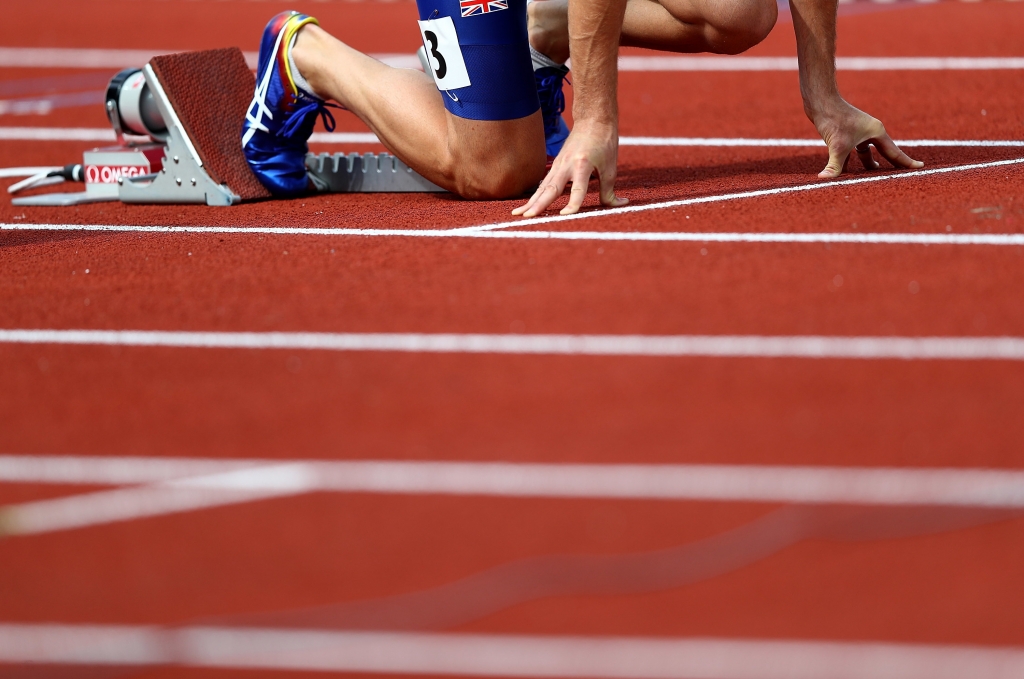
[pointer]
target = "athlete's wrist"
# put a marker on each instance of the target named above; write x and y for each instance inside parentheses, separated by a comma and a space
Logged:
(596, 127)
(823, 103)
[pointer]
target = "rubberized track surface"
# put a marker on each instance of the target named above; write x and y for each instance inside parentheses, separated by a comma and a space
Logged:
(940, 576)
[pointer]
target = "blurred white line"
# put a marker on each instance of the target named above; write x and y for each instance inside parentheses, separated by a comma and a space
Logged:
(123, 504)
(63, 57)
(9, 172)
(104, 134)
(247, 481)
(740, 63)
(57, 134)
(84, 644)
(168, 497)
(804, 143)
(502, 655)
(69, 57)
(998, 239)
(112, 471)
(736, 346)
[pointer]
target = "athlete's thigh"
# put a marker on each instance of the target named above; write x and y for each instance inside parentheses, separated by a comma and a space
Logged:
(723, 22)
(479, 55)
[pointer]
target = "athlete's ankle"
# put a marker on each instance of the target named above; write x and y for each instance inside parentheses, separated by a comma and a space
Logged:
(302, 60)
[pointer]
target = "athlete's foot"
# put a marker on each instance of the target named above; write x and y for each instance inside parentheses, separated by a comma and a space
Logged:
(548, 27)
(552, 104)
(281, 116)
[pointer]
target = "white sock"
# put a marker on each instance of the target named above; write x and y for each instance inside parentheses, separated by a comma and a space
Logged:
(541, 60)
(301, 82)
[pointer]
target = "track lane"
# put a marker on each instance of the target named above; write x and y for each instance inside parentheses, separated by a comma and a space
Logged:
(802, 591)
(264, 283)
(219, 403)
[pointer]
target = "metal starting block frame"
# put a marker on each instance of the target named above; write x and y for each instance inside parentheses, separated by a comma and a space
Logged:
(182, 178)
(366, 173)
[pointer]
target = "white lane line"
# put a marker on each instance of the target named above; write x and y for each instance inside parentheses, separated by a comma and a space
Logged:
(62, 57)
(168, 497)
(494, 655)
(105, 134)
(84, 644)
(112, 471)
(56, 134)
(10, 172)
(816, 186)
(264, 479)
(727, 346)
(638, 236)
(716, 142)
(733, 483)
(69, 57)
(740, 63)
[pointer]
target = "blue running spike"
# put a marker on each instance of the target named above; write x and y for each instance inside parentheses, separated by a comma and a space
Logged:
(281, 116)
(552, 103)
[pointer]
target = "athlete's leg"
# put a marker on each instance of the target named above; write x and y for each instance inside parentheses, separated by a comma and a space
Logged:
(474, 158)
(718, 26)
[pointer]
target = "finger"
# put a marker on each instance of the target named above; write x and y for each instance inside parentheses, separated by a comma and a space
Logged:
(530, 203)
(608, 197)
(866, 159)
(527, 205)
(887, 147)
(546, 195)
(580, 183)
(836, 164)
(549, 178)
(550, 188)
(548, 192)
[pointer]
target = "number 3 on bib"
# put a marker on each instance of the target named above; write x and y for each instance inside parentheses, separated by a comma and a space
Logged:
(444, 53)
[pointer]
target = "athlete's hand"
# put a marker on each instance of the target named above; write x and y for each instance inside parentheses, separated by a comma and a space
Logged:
(589, 148)
(846, 129)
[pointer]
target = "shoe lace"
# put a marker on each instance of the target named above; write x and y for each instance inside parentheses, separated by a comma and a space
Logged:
(300, 114)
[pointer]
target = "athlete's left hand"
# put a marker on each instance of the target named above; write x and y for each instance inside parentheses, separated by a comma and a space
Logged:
(846, 129)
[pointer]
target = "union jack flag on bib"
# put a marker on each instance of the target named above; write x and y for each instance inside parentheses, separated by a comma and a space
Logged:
(476, 7)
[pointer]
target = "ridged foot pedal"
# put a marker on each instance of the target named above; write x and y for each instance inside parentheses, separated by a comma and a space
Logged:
(365, 173)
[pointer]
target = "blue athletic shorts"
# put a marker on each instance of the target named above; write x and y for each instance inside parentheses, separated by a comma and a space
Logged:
(496, 51)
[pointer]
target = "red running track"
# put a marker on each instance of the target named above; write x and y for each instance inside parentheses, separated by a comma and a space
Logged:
(947, 578)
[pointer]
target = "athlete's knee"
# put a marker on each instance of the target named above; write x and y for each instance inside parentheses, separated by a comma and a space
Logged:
(745, 24)
(482, 180)
(489, 186)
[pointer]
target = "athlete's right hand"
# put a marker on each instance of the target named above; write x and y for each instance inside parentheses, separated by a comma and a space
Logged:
(846, 129)
(590, 147)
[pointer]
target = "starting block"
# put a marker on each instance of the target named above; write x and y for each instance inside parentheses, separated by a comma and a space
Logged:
(193, 153)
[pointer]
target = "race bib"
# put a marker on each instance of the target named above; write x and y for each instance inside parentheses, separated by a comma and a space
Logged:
(444, 53)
